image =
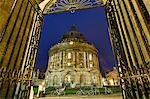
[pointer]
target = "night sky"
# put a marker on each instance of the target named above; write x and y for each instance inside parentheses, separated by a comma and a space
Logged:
(91, 23)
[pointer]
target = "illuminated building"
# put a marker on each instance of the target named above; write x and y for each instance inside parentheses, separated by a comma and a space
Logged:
(20, 26)
(73, 62)
(113, 78)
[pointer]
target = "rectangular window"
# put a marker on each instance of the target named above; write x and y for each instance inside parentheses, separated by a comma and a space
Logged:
(91, 65)
(69, 55)
(68, 64)
(90, 56)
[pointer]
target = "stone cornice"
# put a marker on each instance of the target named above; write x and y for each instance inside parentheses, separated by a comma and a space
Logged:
(76, 46)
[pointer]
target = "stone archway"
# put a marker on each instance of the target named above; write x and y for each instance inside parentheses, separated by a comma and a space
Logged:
(82, 79)
(68, 79)
(21, 23)
(94, 79)
(121, 26)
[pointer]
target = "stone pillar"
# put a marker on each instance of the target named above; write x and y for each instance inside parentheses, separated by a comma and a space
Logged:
(94, 61)
(88, 65)
(62, 59)
(73, 56)
(75, 59)
(85, 60)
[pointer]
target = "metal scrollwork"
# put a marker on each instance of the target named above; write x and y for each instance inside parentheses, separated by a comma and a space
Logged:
(72, 5)
(134, 80)
(17, 77)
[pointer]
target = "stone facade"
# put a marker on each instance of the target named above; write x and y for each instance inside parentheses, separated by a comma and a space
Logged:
(73, 61)
(113, 77)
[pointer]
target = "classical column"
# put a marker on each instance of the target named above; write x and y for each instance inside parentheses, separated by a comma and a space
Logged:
(88, 64)
(59, 57)
(97, 62)
(54, 59)
(85, 60)
(62, 59)
(75, 59)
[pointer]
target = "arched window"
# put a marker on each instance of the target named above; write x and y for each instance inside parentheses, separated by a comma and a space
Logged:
(82, 79)
(68, 78)
(55, 80)
(94, 79)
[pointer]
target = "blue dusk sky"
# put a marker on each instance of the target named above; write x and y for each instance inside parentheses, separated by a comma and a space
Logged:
(91, 23)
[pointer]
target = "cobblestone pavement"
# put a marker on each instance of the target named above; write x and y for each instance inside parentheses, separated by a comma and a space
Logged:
(112, 96)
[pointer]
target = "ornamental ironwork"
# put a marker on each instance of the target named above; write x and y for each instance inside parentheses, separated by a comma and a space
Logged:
(134, 80)
(72, 5)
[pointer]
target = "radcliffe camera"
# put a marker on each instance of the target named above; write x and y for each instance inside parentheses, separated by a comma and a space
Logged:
(73, 62)
(74, 49)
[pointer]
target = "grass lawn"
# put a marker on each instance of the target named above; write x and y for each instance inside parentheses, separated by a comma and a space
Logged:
(70, 91)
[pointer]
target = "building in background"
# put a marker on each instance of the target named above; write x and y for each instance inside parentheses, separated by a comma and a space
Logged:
(38, 81)
(113, 78)
(73, 62)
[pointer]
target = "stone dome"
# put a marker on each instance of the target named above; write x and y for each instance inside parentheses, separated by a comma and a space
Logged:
(73, 35)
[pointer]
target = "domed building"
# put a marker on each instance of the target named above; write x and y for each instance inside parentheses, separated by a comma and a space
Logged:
(73, 62)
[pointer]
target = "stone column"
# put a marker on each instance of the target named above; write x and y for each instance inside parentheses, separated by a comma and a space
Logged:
(75, 59)
(85, 60)
(54, 61)
(62, 59)
(88, 65)
(73, 56)
(97, 61)
(94, 61)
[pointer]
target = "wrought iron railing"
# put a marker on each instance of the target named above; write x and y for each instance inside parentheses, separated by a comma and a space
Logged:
(20, 80)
